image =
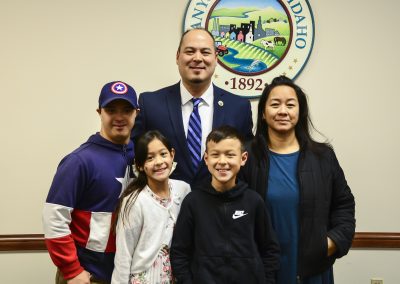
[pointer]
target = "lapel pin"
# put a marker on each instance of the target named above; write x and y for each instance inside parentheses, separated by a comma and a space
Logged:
(220, 103)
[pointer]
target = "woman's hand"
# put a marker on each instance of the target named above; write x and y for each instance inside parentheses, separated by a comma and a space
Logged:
(331, 247)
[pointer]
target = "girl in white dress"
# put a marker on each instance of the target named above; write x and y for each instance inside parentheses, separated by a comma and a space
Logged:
(147, 214)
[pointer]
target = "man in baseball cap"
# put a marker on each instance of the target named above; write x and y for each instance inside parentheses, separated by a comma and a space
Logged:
(117, 95)
(85, 191)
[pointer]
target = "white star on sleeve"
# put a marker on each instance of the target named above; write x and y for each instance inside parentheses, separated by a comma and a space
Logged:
(125, 181)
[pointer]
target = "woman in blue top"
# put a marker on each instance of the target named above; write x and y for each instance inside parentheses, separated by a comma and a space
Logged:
(303, 185)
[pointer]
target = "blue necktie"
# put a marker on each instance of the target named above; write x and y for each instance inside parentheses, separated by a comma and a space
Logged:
(194, 134)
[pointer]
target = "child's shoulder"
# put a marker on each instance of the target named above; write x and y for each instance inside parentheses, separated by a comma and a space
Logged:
(179, 187)
(253, 195)
(137, 196)
(194, 197)
(179, 184)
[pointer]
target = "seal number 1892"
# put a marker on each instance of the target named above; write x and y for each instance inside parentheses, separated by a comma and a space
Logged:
(246, 84)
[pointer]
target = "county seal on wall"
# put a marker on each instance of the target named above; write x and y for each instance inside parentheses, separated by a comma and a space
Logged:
(256, 40)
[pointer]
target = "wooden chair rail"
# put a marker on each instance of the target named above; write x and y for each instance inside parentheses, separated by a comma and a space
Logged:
(376, 240)
(30, 242)
(362, 240)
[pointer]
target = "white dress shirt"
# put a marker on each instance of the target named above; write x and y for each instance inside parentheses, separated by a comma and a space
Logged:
(206, 111)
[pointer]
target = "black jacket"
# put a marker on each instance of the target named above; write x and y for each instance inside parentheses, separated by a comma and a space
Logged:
(224, 238)
(326, 206)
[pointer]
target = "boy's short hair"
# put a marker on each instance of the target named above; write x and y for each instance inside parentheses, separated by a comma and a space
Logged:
(225, 132)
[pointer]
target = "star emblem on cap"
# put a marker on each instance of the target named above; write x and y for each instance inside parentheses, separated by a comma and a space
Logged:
(119, 88)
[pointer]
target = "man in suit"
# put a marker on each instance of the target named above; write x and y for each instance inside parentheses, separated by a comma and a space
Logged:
(182, 117)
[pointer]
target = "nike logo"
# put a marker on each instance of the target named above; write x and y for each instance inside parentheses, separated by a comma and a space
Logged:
(238, 214)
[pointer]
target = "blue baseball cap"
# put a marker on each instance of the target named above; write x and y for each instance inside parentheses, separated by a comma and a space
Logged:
(117, 90)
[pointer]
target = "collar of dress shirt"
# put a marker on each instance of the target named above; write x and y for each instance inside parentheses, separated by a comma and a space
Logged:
(207, 96)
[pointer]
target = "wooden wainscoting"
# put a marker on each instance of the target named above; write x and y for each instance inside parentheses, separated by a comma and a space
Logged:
(362, 240)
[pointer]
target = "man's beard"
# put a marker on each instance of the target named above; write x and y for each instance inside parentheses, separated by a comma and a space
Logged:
(196, 81)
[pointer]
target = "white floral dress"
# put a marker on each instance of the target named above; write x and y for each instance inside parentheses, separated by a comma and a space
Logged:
(160, 272)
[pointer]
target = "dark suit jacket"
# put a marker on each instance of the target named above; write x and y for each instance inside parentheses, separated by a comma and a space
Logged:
(162, 110)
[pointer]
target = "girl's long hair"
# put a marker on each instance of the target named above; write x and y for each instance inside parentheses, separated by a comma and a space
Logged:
(137, 185)
(302, 129)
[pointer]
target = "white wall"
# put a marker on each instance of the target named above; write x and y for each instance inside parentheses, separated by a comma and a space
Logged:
(56, 55)
(359, 266)
(19, 268)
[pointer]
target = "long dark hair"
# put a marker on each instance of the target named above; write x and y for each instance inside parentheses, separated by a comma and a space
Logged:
(137, 185)
(302, 129)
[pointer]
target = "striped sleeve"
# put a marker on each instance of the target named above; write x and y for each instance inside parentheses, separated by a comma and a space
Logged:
(59, 241)
(64, 193)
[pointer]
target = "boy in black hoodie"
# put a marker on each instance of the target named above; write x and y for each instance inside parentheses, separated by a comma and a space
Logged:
(223, 233)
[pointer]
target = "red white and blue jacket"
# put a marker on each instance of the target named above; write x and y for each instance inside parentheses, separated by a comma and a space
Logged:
(79, 208)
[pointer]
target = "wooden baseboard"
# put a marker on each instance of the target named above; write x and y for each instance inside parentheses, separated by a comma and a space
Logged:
(362, 240)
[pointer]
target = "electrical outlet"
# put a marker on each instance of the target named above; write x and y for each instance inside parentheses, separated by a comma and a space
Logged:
(376, 281)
